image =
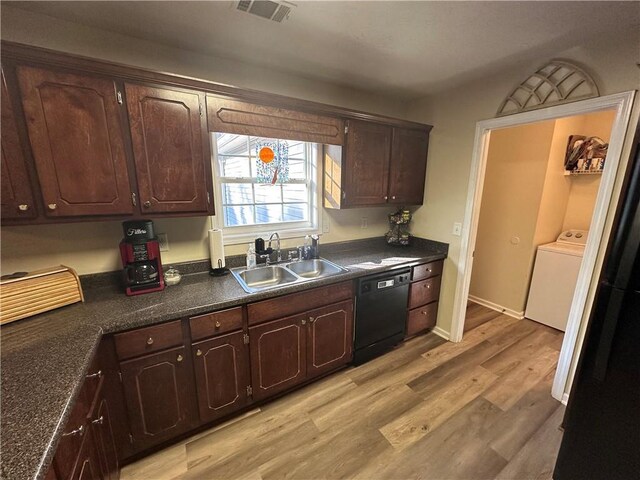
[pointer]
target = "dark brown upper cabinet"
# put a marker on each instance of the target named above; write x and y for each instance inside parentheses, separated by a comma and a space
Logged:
(170, 147)
(408, 166)
(77, 142)
(379, 164)
(17, 196)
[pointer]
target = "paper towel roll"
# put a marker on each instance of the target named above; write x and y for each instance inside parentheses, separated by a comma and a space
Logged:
(216, 248)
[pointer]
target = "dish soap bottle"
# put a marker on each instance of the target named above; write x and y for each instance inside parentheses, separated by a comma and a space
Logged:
(251, 256)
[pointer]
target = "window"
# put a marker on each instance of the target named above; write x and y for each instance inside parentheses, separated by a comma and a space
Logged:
(265, 184)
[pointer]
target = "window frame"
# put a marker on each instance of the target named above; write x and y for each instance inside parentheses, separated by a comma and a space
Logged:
(247, 233)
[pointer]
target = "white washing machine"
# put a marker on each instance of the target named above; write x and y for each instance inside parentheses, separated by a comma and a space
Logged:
(555, 275)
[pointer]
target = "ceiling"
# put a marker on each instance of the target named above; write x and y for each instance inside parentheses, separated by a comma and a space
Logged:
(398, 48)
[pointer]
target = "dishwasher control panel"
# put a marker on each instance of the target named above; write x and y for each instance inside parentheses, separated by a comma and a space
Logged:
(384, 281)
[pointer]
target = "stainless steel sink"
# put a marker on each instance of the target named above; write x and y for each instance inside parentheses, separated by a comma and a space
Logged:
(272, 276)
(317, 268)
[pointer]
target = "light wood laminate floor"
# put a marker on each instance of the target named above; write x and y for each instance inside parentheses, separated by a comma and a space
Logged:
(479, 409)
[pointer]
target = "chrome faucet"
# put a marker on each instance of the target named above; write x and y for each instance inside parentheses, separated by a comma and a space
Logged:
(277, 250)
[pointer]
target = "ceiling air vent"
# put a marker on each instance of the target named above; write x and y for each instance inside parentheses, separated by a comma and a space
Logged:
(276, 11)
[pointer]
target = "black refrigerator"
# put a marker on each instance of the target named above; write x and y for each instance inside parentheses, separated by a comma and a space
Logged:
(602, 422)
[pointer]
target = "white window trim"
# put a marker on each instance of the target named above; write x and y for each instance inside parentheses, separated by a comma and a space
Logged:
(248, 233)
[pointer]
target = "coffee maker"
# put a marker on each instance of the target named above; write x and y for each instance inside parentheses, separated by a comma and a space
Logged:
(140, 252)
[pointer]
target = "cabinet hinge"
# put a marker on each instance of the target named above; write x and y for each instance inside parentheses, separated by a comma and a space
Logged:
(245, 338)
(346, 129)
(208, 198)
(249, 390)
(131, 439)
(119, 97)
(200, 109)
(344, 194)
(120, 376)
(133, 199)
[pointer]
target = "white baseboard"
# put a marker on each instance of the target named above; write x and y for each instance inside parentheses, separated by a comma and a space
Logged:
(496, 307)
(441, 333)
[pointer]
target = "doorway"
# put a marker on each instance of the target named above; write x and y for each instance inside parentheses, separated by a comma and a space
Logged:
(620, 107)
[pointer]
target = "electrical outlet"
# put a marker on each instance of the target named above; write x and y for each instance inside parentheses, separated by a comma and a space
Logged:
(326, 224)
(163, 241)
(457, 229)
(364, 223)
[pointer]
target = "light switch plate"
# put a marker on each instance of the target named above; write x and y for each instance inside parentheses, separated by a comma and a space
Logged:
(364, 223)
(457, 229)
(163, 241)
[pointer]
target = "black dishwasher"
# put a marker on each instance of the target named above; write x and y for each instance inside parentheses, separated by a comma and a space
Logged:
(381, 313)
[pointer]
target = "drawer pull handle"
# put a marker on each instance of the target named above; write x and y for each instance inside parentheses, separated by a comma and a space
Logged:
(149, 341)
(77, 431)
(180, 358)
(199, 353)
(98, 374)
(23, 207)
(428, 285)
(98, 421)
(52, 206)
(147, 204)
(218, 324)
(424, 312)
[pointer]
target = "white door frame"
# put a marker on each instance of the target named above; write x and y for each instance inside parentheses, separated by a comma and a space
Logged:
(622, 103)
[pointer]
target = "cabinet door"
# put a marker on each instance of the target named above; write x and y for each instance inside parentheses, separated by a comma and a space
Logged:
(102, 429)
(87, 466)
(408, 166)
(17, 196)
(330, 338)
(167, 131)
(366, 165)
(277, 355)
(222, 375)
(157, 392)
(77, 142)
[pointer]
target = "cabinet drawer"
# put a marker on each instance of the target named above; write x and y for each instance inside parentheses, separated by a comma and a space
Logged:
(422, 318)
(428, 270)
(298, 302)
(147, 340)
(204, 326)
(423, 292)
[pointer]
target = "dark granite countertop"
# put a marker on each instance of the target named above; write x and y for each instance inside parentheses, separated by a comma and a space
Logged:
(44, 358)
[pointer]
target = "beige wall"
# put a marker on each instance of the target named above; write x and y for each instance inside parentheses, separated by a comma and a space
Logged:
(513, 186)
(584, 189)
(454, 114)
(92, 247)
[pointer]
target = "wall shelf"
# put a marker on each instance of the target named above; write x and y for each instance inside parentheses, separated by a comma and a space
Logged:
(577, 173)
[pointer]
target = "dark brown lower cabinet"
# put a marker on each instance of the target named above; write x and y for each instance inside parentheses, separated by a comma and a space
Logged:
(278, 354)
(330, 338)
(158, 394)
(87, 466)
(222, 375)
(102, 430)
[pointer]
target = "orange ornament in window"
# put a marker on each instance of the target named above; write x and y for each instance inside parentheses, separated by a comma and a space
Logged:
(266, 155)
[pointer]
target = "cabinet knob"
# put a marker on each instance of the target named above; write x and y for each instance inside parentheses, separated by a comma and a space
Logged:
(98, 421)
(23, 207)
(147, 204)
(424, 312)
(303, 321)
(180, 358)
(52, 206)
(393, 197)
(385, 197)
(311, 319)
(199, 353)
(218, 324)
(427, 285)
(78, 431)
(149, 341)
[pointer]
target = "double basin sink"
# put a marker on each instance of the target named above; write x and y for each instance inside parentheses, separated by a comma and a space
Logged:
(272, 276)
